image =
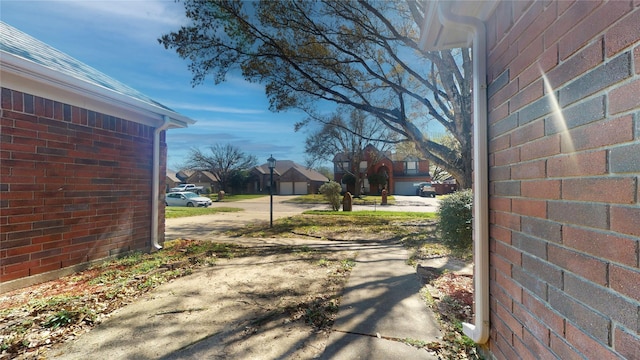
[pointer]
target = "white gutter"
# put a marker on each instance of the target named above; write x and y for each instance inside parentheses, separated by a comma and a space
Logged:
(479, 331)
(155, 190)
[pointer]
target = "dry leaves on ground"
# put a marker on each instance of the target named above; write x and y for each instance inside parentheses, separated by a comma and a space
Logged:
(35, 318)
(451, 297)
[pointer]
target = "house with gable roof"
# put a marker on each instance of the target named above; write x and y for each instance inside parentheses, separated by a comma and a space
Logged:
(556, 183)
(172, 180)
(289, 178)
(82, 159)
(402, 172)
(206, 179)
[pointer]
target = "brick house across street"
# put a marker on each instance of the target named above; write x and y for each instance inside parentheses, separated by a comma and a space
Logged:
(556, 173)
(402, 172)
(82, 159)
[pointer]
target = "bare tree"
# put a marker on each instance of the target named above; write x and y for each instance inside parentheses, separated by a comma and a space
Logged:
(437, 173)
(349, 142)
(223, 161)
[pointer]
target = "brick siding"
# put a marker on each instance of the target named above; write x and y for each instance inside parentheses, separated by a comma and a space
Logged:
(564, 155)
(75, 185)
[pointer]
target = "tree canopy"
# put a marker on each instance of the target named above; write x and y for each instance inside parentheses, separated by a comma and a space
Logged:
(362, 54)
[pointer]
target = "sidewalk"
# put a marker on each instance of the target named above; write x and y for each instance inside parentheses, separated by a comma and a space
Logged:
(380, 308)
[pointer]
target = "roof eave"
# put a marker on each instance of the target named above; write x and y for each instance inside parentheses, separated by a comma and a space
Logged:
(23, 75)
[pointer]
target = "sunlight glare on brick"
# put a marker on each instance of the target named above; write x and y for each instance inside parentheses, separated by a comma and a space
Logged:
(557, 117)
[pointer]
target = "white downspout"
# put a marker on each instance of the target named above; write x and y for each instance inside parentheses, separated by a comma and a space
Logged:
(479, 331)
(155, 189)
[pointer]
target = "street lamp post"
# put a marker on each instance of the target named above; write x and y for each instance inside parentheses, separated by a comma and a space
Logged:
(272, 165)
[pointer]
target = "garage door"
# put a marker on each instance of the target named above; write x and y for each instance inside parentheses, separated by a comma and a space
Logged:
(286, 188)
(300, 188)
(293, 188)
(404, 188)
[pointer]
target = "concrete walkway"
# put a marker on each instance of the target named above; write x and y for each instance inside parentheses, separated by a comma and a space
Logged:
(381, 309)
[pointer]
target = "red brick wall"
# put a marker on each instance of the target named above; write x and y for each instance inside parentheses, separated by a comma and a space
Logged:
(75, 185)
(399, 170)
(564, 179)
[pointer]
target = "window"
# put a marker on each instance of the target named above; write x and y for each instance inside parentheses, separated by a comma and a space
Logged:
(411, 167)
(342, 167)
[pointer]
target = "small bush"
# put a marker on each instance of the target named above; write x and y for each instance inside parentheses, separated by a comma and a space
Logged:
(454, 228)
(331, 191)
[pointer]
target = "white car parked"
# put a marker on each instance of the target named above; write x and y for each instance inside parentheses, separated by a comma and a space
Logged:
(186, 198)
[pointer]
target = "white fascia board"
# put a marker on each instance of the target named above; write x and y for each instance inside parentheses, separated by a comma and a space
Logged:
(22, 75)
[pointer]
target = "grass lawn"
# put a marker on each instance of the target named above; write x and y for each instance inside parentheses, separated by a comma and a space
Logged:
(370, 199)
(415, 228)
(179, 211)
(308, 199)
(320, 199)
(231, 198)
(394, 215)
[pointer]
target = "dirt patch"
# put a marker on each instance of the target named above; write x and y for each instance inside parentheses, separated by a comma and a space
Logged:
(232, 303)
(277, 306)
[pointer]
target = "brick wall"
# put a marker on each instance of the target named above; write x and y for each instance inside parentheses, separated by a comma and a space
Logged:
(564, 128)
(75, 185)
(399, 168)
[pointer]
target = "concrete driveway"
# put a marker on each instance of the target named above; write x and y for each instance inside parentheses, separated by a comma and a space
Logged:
(257, 210)
(414, 203)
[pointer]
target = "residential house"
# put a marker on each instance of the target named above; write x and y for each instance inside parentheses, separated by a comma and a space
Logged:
(556, 173)
(206, 179)
(203, 178)
(289, 178)
(83, 159)
(172, 180)
(402, 172)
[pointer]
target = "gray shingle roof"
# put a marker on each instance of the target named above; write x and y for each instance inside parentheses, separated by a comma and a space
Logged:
(20, 44)
(310, 174)
(282, 166)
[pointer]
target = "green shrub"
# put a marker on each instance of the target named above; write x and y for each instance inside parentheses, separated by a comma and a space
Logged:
(349, 179)
(454, 228)
(331, 192)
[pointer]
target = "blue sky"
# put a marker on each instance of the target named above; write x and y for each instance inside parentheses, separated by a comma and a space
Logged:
(119, 38)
